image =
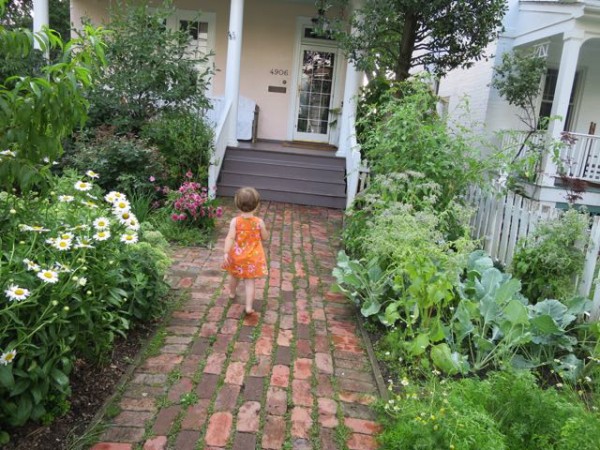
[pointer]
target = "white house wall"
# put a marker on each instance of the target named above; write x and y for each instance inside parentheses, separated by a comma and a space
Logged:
(269, 40)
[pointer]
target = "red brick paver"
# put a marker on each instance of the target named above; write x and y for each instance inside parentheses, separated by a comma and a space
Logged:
(285, 377)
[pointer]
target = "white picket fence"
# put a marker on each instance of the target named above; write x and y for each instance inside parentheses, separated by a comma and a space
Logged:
(501, 221)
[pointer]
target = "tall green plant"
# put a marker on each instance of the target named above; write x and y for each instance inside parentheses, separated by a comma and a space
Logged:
(149, 69)
(37, 112)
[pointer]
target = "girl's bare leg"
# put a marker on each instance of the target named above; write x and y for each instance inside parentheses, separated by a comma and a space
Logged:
(250, 292)
(233, 282)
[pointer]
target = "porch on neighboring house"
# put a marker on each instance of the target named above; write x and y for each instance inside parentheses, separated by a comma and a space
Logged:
(567, 35)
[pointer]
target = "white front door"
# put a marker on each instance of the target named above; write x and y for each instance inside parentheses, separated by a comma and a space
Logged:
(316, 79)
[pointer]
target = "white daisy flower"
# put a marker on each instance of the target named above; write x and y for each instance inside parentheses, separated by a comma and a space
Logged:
(82, 281)
(83, 243)
(8, 357)
(92, 174)
(83, 186)
(66, 198)
(59, 267)
(31, 265)
(49, 276)
(124, 216)
(89, 204)
(101, 223)
(66, 235)
(39, 229)
(102, 235)
(8, 153)
(62, 244)
(129, 238)
(15, 292)
(133, 224)
(121, 206)
(46, 160)
(51, 241)
(113, 196)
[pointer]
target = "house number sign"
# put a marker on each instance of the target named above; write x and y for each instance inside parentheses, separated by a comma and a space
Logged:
(284, 72)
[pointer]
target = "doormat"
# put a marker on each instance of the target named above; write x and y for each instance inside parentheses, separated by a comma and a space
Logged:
(310, 145)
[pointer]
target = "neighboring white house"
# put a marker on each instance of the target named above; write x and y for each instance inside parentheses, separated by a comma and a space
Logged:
(567, 33)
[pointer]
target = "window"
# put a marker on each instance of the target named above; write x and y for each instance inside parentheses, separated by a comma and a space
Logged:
(548, 98)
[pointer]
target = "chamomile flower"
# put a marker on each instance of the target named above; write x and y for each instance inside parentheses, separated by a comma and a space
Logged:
(51, 241)
(83, 186)
(66, 198)
(83, 242)
(133, 224)
(31, 265)
(82, 281)
(62, 268)
(66, 235)
(92, 174)
(102, 235)
(36, 229)
(113, 196)
(124, 217)
(15, 292)
(8, 357)
(62, 244)
(101, 223)
(48, 276)
(121, 206)
(129, 238)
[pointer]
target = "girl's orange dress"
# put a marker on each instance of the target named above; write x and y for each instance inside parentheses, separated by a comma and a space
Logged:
(247, 257)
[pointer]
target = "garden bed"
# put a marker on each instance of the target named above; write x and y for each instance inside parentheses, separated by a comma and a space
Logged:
(92, 385)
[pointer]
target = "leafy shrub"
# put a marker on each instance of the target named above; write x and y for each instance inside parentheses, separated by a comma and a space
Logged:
(124, 163)
(548, 261)
(411, 137)
(185, 141)
(73, 278)
(505, 411)
(149, 70)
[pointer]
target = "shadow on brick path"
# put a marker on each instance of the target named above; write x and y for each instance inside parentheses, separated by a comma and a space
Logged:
(293, 376)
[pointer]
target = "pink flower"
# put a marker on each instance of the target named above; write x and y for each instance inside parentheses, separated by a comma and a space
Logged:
(219, 211)
(189, 174)
(175, 217)
(152, 179)
(182, 216)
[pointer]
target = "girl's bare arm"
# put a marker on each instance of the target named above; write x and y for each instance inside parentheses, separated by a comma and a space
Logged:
(263, 230)
(229, 239)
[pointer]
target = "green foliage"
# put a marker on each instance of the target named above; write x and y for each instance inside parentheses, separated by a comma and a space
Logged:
(149, 70)
(506, 411)
(410, 136)
(389, 37)
(548, 261)
(124, 163)
(37, 112)
(73, 278)
(185, 141)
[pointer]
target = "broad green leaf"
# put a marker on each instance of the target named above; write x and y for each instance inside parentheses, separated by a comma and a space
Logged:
(507, 290)
(370, 307)
(419, 345)
(6, 377)
(546, 324)
(59, 377)
(516, 313)
(446, 361)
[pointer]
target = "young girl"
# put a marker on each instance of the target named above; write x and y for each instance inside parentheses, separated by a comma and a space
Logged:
(244, 255)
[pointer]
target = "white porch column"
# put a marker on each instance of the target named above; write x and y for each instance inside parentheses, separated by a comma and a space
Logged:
(351, 89)
(234, 59)
(40, 18)
(560, 105)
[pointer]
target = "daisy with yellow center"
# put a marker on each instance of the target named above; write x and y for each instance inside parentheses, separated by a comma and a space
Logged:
(66, 235)
(92, 174)
(129, 238)
(84, 243)
(8, 357)
(102, 235)
(113, 196)
(121, 206)
(15, 292)
(101, 223)
(31, 265)
(125, 217)
(132, 224)
(83, 186)
(66, 198)
(62, 244)
(48, 276)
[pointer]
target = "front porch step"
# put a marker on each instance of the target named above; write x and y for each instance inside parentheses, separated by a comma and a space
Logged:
(305, 177)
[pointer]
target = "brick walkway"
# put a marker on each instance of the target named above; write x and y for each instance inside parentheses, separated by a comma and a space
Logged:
(294, 376)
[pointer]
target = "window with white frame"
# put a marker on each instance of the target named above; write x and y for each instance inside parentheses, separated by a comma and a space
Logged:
(548, 92)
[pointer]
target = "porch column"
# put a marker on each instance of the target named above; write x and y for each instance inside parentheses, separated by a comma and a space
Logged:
(351, 88)
(234, 58)
(560, 105)
(40, 18)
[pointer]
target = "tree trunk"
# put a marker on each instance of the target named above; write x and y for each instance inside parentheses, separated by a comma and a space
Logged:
(407, 45)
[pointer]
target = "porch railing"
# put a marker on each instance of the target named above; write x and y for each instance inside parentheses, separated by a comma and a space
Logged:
(513, 141)
(219, 145)
(582, 159)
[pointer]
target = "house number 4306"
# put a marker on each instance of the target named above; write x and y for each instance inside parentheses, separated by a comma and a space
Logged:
(283, 72)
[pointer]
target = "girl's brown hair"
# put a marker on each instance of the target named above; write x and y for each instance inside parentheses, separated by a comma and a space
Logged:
(247, 199)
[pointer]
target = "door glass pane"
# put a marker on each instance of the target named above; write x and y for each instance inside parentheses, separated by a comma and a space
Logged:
(315, 91)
